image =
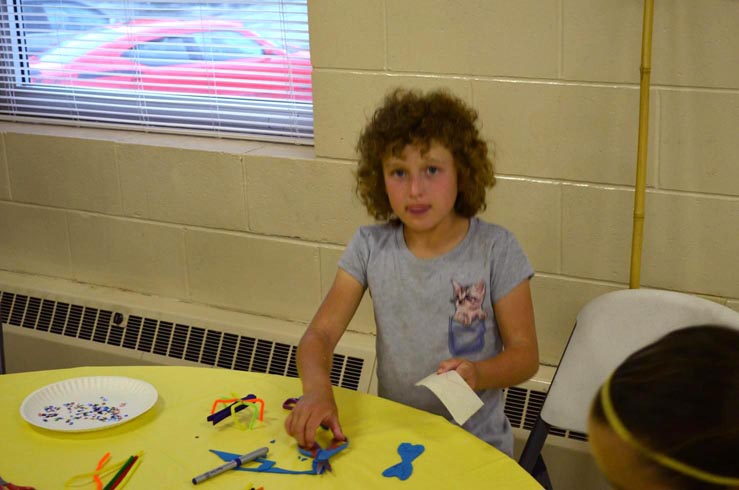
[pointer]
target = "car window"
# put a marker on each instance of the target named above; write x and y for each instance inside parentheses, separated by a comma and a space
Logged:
(76, 47)
(227, 45)
(168, 50)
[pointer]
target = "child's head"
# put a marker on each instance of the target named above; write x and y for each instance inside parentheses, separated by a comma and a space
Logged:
(668, 417)
(409, 117)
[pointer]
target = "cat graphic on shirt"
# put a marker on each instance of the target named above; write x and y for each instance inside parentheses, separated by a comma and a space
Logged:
(468, 302)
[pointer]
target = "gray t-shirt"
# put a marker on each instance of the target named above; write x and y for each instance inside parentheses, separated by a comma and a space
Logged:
(428, 310)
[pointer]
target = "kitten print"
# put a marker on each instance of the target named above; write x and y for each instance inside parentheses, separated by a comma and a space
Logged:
(468, 302)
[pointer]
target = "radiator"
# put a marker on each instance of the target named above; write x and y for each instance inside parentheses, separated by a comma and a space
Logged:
(53, 323)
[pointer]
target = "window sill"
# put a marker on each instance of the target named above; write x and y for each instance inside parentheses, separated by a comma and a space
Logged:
(186, 142)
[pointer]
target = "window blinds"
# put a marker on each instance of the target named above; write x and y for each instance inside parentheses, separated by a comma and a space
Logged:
(231, 69)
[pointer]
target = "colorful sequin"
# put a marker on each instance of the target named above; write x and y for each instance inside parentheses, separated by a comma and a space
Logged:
(72, 412)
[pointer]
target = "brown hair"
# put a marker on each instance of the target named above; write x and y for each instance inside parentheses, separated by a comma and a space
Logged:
(679, 396)
(409, 117)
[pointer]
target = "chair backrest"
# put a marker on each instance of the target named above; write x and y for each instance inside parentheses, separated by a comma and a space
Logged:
(607, 330)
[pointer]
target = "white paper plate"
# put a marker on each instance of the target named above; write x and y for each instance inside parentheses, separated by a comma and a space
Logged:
(88, 403)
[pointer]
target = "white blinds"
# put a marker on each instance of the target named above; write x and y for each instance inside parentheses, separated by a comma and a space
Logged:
(239, 68)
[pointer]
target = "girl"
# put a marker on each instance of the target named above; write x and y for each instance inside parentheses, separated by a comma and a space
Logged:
(450, 291)
(668, 417)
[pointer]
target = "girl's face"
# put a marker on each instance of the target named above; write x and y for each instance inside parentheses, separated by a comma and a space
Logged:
(621, 464)
(422, 188)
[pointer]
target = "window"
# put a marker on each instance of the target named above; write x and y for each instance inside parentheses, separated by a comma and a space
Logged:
(43, 19)
(233, 69)
(165, 51)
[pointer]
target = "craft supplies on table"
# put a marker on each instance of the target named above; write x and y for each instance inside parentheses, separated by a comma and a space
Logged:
(88, 403)
(321, 456)
(179, 442)
(117, 474)
(6, 485)
(234, 463)
(237, 404)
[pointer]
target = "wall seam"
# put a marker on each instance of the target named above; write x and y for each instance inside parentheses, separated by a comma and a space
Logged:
(7, 166)
(561, 25)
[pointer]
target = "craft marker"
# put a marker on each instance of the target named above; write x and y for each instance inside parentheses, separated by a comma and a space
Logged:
(234, 463)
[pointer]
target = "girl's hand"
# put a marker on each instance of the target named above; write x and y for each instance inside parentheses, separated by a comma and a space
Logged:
(466, 368)
(312, 411)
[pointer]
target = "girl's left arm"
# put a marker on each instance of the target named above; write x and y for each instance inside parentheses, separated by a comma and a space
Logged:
(519, 360)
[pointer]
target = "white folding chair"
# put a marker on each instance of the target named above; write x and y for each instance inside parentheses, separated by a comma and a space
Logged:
(607, 330)
(2, 349)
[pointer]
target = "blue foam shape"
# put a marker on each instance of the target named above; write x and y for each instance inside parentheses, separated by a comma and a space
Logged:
(403, 470)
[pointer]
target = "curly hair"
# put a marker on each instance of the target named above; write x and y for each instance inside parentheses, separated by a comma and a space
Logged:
(410, 117)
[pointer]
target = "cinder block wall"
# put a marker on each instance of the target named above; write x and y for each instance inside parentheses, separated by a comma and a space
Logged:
(259, 227)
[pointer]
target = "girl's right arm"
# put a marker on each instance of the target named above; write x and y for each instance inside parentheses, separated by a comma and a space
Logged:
(315, 352)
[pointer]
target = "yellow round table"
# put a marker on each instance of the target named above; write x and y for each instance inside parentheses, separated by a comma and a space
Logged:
(175, 438)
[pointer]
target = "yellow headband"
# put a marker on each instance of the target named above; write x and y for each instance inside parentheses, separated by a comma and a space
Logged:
(662, 459)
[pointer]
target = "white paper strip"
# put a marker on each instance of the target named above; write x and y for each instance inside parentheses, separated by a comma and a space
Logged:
(456, 395)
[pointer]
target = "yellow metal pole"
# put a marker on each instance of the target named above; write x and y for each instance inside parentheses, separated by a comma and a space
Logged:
(641, 158)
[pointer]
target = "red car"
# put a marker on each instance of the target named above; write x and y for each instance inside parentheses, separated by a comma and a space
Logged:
(207, 57)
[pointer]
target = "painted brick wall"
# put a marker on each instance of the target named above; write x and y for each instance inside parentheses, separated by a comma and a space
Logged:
(259, 227)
